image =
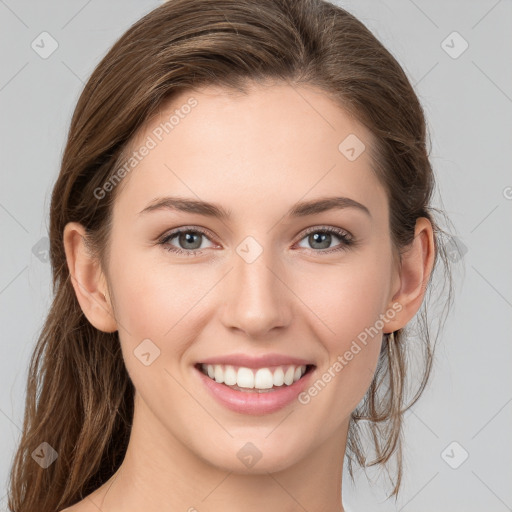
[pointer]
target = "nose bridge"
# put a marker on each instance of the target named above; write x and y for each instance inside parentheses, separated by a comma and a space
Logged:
(257, 300)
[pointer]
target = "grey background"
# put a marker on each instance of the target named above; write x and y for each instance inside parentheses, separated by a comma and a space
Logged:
(468, 102)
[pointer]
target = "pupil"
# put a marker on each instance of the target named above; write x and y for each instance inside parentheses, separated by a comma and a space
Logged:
(322, 238)
(189, 238)
(326, 242)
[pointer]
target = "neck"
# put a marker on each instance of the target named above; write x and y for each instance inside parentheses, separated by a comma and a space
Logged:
(161, 473)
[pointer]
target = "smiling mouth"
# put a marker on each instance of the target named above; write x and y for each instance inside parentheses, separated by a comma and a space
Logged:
(262, 380)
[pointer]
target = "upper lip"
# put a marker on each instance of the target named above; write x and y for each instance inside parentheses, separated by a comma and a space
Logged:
(246, 361)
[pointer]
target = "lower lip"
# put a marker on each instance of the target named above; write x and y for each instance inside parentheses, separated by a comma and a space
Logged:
(253, 402)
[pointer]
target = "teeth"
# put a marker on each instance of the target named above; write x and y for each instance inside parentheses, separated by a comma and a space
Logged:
(219, 374)
(230, 376)
(244, 377)
(262, 378)
(289, 376)
(278, 377)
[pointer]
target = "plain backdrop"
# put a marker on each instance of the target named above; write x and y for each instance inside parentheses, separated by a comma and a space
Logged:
(457, 55)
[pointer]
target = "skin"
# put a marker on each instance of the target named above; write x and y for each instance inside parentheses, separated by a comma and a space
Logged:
(256, 155)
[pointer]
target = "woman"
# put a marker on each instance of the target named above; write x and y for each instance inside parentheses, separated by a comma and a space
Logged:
(240, 232)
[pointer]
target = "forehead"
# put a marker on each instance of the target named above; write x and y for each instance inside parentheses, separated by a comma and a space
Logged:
(273, 143)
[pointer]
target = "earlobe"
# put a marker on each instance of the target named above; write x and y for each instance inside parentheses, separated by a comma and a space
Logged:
(88, 279)
(416, 267)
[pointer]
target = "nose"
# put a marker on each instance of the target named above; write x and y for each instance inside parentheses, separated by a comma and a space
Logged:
(257, 298)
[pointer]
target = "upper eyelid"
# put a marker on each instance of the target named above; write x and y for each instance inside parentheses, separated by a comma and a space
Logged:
(185, 229)
(204, 231)
(333, 229)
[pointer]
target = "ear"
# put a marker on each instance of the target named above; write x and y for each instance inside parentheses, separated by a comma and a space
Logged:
(414, 272)
(88, 279)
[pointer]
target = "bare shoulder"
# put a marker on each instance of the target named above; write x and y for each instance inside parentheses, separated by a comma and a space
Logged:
(92, 502)
(86, 505)
(74, 508)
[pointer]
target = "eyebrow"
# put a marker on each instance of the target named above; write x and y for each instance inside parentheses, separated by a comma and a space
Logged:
(300, 209)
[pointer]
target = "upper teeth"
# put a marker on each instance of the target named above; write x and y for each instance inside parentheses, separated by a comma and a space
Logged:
(262, 378)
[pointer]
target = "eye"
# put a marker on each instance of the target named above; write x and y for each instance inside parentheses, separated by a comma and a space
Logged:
(321, 238)
(189, 239)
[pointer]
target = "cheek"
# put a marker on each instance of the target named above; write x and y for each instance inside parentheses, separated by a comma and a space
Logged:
(150, 297)
(160, 303)
(347, 298)
(156, 302)
(348, 303)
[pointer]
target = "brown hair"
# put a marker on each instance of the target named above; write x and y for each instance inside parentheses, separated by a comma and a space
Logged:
(79, 395)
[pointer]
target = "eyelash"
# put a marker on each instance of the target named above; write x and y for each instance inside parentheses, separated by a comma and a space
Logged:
(345, 237)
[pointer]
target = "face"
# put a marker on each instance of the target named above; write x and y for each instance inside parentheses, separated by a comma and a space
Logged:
(263, 279)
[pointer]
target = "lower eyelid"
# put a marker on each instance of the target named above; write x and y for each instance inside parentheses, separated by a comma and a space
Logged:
(165, 241)
(345, 238)
(342, 245)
